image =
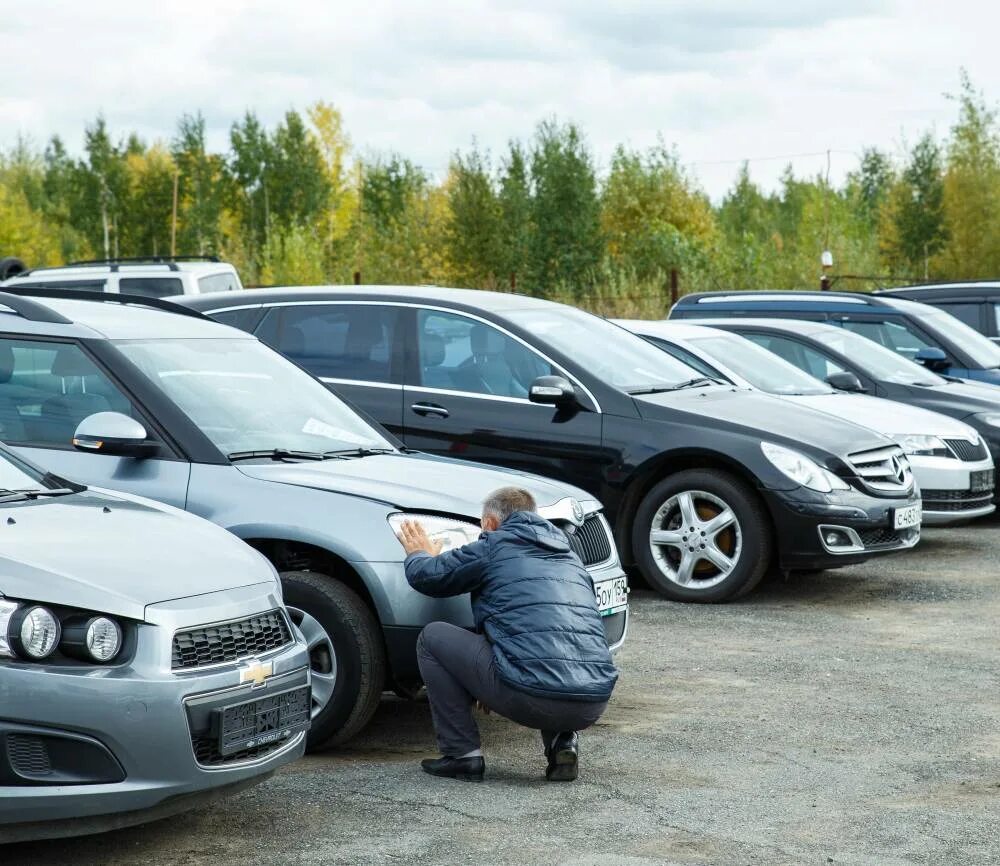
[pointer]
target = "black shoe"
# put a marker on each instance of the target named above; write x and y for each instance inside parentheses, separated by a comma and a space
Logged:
(563, 757)
(466, 769)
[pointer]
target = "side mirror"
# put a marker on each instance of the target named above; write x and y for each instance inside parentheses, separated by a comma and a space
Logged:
(113, 433)
(552, 391)
(845, 381)
(933, 358)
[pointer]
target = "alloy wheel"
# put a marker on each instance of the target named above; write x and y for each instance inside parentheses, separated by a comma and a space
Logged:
(322, 659)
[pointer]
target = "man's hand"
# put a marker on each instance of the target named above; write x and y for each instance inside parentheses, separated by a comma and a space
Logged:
(414, 538)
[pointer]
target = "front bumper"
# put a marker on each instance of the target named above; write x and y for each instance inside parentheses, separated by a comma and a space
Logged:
(799, 514)
(138, 715)
(949, 495)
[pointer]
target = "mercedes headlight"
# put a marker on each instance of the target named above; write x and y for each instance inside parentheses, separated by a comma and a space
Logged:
(926, 446)
(450, 531)
(800, 469)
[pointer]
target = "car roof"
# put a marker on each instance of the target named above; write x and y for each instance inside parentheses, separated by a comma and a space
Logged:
(958, 288)
(115, 321)
(479, 299)
(82, 270)
(790, 296)
(681, 330)
(798, 327)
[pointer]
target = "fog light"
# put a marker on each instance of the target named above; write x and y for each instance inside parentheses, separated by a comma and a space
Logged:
(832, 539)
(34, 633)
(94, 639)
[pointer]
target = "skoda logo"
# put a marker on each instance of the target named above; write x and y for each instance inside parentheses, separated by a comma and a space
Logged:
(897, 469)
(577, 513)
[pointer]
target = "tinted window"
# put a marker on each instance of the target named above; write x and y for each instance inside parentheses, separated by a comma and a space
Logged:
(151, 287)
(762, 369)
(338, 341)
(462, 354)
(815, 363)
(967, 313)
(877, 361)
(47, 389)
(687, 357)
(226, 282)
(897, 335)
(244, 319)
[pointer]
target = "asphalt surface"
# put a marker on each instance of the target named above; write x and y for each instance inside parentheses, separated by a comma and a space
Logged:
(847, 717)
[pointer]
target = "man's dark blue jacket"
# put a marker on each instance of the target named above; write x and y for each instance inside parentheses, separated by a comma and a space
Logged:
(534, 601)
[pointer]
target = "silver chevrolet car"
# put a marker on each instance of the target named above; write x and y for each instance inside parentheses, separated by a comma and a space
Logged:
(147, 662)
(177, 407)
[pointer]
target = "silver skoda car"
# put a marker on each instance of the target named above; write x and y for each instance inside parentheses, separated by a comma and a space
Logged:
(147, 662)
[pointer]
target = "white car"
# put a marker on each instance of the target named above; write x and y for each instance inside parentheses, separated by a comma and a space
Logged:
(155, 277)
(950, 463)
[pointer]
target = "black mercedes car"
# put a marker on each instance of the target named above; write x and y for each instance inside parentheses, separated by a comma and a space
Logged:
(707, 484)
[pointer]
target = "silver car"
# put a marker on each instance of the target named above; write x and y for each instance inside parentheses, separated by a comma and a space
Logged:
(147, 663)
(174, 406)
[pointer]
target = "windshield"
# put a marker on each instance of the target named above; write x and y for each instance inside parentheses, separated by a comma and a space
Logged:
(876, 360)
(983, 351)
(612, 354)
(17, 475)
(246, 397)
(761, 368)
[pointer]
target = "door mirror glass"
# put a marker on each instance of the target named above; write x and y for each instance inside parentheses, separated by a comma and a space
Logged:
(845, 381)
(933, 358)
(115, 434)
(552, 391)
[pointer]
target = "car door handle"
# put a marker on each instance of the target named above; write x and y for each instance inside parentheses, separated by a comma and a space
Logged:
(430, 409)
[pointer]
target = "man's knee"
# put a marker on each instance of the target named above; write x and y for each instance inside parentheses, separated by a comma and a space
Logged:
(430, 638)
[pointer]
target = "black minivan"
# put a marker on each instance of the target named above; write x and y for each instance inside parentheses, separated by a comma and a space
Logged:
(707, 484)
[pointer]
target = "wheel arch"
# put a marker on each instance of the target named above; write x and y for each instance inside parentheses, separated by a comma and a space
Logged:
(659, 467)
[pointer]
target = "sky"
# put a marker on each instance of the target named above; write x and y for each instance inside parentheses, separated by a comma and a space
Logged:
(720, 80)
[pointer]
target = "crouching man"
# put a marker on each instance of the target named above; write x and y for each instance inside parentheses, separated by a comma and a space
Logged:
(538, 657)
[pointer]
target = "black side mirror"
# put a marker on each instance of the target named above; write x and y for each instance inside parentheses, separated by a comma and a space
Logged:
(552, 391)
(933, 358)
(845, 381)
(113, 433)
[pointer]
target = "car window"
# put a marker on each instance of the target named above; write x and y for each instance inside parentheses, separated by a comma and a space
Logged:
(877, 361)
(688, 358)
(898, 336)
(458, 353)
(225, 282)
(815, 363)
(151, 287)
(762, 369)
(245, 319)
(336, 341)
(47, 389)
(966, 313)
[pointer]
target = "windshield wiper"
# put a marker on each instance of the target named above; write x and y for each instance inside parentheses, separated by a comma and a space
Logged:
(275, 454)
(356, 452)
(35, 493)
(689, 383)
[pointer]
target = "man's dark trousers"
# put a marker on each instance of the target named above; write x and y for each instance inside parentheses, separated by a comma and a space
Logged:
(457, 668)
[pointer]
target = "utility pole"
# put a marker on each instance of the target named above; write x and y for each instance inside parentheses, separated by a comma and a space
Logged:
(173, 218)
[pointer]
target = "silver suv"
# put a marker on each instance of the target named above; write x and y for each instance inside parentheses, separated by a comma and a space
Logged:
(174, 406)
(155, 277)
(147, 662)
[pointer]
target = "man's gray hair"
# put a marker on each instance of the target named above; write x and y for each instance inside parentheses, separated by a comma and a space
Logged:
(504, 502)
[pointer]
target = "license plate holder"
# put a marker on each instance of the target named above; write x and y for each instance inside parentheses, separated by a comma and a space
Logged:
(262, 721)
(906, 518)
(612, 595)
(981, 481)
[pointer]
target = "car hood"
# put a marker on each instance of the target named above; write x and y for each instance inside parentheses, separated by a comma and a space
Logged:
(885, 416)
(414, 482)
(764, 416)
(116, 555)
(959, 399)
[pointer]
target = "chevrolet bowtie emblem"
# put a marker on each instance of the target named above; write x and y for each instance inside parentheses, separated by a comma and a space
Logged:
(256, 672)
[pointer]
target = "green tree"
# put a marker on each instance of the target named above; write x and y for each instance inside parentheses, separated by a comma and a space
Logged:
(517, 229)
(249, 158)
(474, 228)
(297, 178)
(201, 188)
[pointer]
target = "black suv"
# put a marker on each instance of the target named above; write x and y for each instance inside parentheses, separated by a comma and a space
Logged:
(977, 302)
(706, 484)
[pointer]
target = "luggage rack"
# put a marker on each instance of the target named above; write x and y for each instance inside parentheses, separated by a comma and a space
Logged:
(19, 300)
(115, 264)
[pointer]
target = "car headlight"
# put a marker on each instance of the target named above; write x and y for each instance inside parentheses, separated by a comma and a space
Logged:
(33, 632)
(450, 531)
(795, 465)
(927, 446)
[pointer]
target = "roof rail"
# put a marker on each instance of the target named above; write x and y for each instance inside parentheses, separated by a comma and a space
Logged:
(21, 295)
(32, 310)
(126, 260)
(864, 297)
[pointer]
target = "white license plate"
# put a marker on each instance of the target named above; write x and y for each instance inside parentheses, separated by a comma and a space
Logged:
(611, 594)
(904, 518)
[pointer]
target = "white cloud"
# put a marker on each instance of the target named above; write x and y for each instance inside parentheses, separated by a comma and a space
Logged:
(723, 80)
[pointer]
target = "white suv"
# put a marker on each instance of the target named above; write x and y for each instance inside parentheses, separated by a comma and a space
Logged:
(156, 277)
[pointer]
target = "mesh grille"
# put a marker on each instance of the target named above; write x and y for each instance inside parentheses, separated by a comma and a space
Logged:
(28, 755)
(955, 500)
(965, 450)
(230, 641)
(880, 537)
(206, 752)
(590, 542)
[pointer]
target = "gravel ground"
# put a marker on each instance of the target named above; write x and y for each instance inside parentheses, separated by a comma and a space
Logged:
(846, 717)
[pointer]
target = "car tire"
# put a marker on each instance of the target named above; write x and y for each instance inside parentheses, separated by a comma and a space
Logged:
(695, 560)
(336, 622)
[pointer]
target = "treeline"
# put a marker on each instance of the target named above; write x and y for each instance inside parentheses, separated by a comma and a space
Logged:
(296, 204)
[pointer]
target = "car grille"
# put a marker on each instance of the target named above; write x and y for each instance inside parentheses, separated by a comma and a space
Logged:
(882, 537)
(967, 451)
(591, 542)
(29, 755)
(206, 752)
(883, 470)
(956, 500)
(230, 641)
